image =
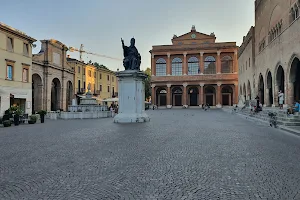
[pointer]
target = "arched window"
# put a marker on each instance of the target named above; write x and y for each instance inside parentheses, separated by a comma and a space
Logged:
(193, 66)
(161, 67)
(209, 65)
(226, 64)
(176, 67)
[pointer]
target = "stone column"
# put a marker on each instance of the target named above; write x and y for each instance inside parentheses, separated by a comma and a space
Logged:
(236, 94)
(184, 94)
(169, 104)
(169, 67)
(153, 65)
(219, 95)
(201, 63)
(201, 94)
(185, 70)
(218, 62)
(266, 98)
(290, 94)
(275, 95)
(153, 94)
(235, 62)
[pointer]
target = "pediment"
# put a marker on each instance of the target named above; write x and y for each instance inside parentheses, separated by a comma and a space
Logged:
(194, 35)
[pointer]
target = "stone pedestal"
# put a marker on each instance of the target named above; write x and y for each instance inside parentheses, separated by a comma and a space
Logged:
(131, 97)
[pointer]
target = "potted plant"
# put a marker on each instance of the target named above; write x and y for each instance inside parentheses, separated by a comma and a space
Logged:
(42, 114)
(32, 119)
(17, 114)
(6, 123)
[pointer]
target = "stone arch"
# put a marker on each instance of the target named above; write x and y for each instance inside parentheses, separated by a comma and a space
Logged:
(269, 88)
(279, 82)
(244, 91)
(55, 94)
(177, 96)
(210, 95)
(227, 95)
(37, 93)
(249, 90)
(294, 80)
(69, 94)
(261, 89)
(161, 96)
(193, 93)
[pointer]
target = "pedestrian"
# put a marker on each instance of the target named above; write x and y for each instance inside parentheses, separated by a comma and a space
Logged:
(281, 99)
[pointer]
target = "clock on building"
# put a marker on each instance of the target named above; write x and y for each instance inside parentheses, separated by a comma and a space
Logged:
(193, 36)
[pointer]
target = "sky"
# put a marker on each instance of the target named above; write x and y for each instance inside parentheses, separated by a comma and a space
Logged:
(100, 24)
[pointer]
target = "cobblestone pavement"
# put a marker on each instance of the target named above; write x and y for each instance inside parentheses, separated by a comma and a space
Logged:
(180, 154)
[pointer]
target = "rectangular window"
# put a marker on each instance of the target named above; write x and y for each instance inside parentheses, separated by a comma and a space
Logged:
(113, 90)
(83, 71)
(25, 49)
(9, 72)
(94, 88)
(108, 77)
(90, 73)
(10, 44)
(107, 88)
(79, 69)
(25, 74)
(112, 79)
(100, 88)
(84, 85)
(100, 76)
(95, 74)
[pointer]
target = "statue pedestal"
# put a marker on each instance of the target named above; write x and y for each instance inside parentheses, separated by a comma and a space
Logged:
(131, 97)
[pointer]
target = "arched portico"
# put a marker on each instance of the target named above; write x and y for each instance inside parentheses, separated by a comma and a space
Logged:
(210, 95)
(249, 91)
(227, 95)
(279, 83)
(55, 94)
(177, 96)
(269, 89)
(37, 93)
(261, 89)
(161, 96)
(294, 81)
(193, 94)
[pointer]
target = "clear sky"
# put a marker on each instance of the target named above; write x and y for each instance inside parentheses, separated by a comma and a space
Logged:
(100, 24)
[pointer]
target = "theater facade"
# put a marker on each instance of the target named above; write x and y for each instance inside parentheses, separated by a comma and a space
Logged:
(194, 70)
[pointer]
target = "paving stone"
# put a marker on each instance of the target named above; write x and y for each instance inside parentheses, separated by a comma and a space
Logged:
(179, 154)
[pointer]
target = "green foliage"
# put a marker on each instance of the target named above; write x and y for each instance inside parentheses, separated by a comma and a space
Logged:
(32, 119)
(42, 112)
(99, 65)
(6, 123)
(147, 82)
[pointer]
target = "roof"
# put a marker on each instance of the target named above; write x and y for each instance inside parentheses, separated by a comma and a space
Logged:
(16, 32)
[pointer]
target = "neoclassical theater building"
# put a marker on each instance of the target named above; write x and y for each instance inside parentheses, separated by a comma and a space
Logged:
(52, 77)
(194, 70)
(269, 58)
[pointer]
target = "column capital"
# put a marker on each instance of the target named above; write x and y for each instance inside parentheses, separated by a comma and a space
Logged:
(201, 53)
(152, 55)
(219, 53)
(236, 84)
(169, 55)
(219, 84)
(235, 52)
(153, 85)
(201, 84)
(184, 84)
(169, 85)
(185, 53)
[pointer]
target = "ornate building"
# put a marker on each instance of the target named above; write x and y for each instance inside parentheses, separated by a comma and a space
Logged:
(273, 47)
(194, 70)
(52, 77)
(15, 69)
(104, 83)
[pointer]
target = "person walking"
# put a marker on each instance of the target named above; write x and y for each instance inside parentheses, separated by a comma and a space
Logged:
(281, 99)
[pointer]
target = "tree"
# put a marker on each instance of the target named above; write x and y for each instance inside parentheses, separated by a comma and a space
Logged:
(147, 82)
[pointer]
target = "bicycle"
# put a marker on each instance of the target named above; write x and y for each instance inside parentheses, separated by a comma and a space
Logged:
(273, 119)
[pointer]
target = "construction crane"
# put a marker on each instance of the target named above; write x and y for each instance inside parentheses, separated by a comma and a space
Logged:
(81, 51)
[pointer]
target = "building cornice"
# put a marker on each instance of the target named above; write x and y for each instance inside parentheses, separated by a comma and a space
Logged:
(16, 32)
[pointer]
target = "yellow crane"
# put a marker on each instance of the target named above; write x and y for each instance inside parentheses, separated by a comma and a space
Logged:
(81, 51)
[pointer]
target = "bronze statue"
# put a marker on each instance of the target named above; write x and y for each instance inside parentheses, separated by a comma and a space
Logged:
(132, 58)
